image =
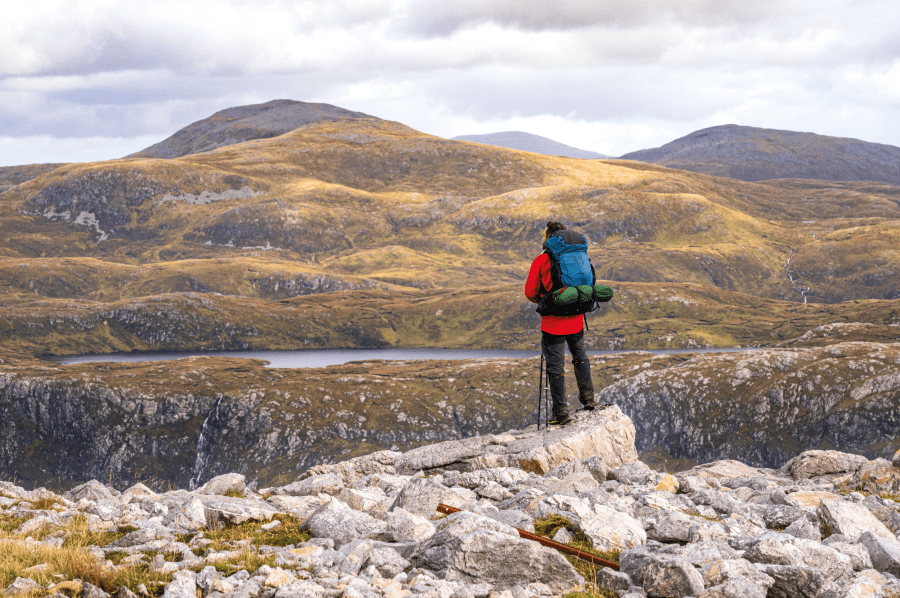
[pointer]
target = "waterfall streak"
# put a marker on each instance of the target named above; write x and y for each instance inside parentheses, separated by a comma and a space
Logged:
(203, 446)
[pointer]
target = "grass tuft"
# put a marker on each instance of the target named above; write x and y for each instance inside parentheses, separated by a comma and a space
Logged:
(288, 533)
(549, 525)
(45, 503)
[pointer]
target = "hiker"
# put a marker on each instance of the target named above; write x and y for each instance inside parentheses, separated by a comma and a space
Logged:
(560, 330)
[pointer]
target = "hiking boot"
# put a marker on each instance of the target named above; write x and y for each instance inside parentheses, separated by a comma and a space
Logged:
(588, 406)
(559, 421)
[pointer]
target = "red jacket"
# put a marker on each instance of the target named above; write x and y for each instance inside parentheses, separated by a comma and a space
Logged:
(540, 283)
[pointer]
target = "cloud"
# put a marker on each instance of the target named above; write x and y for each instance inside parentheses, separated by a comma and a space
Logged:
(122, 68)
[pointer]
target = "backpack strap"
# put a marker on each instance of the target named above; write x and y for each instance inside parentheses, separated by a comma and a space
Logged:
(555, 272)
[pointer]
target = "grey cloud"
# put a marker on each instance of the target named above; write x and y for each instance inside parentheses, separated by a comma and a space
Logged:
(442, 18)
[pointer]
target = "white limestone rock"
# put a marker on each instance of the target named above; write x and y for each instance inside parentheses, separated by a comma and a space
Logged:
(327, 483)
(813, 464)
(222, 484)
(851, 520)
(408, 527)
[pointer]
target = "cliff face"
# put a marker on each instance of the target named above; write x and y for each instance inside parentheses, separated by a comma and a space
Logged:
(177, 422)
(764, 407)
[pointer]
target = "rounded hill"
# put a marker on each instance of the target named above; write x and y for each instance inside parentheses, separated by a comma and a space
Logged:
(245, 123)
(755, 154)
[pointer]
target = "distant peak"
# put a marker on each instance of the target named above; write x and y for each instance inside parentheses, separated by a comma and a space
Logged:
(528, 142)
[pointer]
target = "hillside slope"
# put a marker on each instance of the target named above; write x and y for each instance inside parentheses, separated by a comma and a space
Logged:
(755, 154)
(527, 142)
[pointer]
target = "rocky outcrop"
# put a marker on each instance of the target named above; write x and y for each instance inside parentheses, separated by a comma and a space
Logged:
(734, 543)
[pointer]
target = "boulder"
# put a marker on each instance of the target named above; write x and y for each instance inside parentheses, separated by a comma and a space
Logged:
(579, 481)
(896, 460)
(37, 524)
(362, 500)
(229, 482)
(355, 555)
(462, 523)
(661, 574)
(604, 433)
(889, 517)
(381, 462)
(525, 500)
(878, 476)
(340, 523)
(139, 489)
(804, 528)
(596, 466)
(736, 587)
(23, 586)
(327, 483)
(187, 518)
(813, 464)
(851, 520)
(669, 483)
(142, 536)
(387, 561)
(865, 585)
(300, 507)
(613, 581)
(183, 585)
(505, 476)
(811, 499)
(606, 528)
(494, 491)
(794, 581)
(220, 510)
(422, 496)
(92, 490)
(774, 551)
(885, 554)
(511, 517)
(702, 553)
(780, 516)
(718, 470)
(408, 527)
(501, 561)
(857, 553)
(689, 484)
(632, 474)
(719, 572)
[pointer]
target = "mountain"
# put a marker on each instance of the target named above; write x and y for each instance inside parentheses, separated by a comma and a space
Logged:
(245, 123)
(527, 142)
(754, 154)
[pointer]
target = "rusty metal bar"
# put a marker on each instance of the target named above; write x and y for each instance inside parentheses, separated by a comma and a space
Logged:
(584, 556)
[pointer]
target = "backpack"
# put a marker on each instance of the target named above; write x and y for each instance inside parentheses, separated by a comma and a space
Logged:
(574, 290)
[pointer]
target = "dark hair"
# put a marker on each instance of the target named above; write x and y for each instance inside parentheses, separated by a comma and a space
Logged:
(553, 227)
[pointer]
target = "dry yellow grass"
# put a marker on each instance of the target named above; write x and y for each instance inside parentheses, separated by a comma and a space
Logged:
(70, 562)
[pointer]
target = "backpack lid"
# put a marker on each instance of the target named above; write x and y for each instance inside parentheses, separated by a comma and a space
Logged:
(564, 241)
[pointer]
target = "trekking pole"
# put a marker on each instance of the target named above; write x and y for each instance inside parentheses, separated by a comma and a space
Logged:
(540, 391)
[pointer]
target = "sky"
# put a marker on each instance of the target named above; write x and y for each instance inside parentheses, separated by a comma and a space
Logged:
(99, 79)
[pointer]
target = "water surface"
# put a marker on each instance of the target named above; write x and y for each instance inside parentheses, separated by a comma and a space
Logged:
(318, 358)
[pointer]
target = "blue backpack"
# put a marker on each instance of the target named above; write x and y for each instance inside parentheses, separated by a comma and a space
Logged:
(574, 290)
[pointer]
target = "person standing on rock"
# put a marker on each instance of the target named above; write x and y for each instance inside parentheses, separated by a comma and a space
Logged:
(557, 331)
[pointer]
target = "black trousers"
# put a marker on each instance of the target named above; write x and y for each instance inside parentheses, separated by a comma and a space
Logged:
(553, 347)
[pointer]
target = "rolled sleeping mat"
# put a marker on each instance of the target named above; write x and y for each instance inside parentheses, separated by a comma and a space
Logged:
(602, 293)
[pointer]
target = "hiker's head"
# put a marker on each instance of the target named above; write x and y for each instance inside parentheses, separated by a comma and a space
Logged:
(553, 227)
